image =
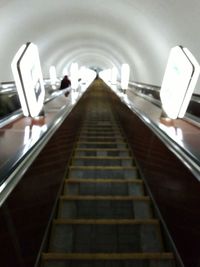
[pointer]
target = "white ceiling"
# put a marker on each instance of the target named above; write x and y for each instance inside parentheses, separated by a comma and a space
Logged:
(100, 33)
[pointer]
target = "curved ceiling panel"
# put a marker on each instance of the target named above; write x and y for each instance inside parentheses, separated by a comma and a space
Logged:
(100, 33)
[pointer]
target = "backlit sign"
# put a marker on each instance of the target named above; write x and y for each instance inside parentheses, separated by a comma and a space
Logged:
(179, 81)
(28, 78)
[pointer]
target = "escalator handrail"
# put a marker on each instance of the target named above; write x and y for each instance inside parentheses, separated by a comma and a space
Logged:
(13, 170)
(155, 88)
(185, 156)
(18, 113)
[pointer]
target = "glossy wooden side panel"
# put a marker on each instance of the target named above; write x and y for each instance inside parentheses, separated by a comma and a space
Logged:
(175, 189)
(25, 214)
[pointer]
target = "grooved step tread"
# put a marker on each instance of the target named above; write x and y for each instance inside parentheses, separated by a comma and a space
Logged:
(97, 126)
(112, 139)
(103, 149)
(102, 168)
(93, 125)
(107, 256)
(100, 135)
(85, 129)
(99, 120)
(120, 181)
(102, 142)
(94, 129)
(100, 127)
(121, 198)
(100, 158)
(106, 221)
(93, 142)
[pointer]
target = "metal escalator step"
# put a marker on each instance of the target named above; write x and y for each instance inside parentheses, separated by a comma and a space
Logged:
(101, 130)
(101, 145)
(164, 259)
(104, 218)
(105, 236)
(97, 134)
(99, 124)
(116, 172)
(101, 139)
(102, 161)
(102, 119)
(121, 198)
(103, 187)
(108, 221)
(101, 152)
(113, 181)
(105, 207)
(108, 119)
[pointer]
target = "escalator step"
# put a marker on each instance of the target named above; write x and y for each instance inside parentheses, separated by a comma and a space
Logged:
(105, 236)
(104, 187)
(101, 145)
(116, 172)
(112, 152)
(101, 130)
(105, 207)
(108, 260)
(101, 139)
(102, 161)
(100, 125)
(100, 134)
(71, 181)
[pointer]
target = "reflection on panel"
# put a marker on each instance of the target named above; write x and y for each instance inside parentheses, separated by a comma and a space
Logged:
(9, 103)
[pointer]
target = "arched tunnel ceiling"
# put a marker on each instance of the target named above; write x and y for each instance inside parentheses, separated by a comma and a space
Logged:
(100, 33)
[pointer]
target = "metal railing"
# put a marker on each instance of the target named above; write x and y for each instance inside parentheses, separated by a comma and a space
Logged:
(191, 161)
(15, 168)
(152, 94)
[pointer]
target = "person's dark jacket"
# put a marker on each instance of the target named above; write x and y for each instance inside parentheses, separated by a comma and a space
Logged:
(65, 82)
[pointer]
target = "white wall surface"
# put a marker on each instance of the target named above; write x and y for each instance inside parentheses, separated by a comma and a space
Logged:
(100, 33)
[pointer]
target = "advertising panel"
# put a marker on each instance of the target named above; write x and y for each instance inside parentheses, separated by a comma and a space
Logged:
(28, 78)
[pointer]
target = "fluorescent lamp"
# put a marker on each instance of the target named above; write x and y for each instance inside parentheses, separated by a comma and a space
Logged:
(29, 81)
(105, 75)
(125, 74)
(178, 83)
(114, 75)
(53, 76)
(65, 71)
(74, 75)
(86, 74)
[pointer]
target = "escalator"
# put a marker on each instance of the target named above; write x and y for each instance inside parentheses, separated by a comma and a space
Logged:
(104, 216)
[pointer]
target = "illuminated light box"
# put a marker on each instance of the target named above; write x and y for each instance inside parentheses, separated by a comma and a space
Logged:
(28, 78)
(74, 71)
(179, 81)
(53, 75)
